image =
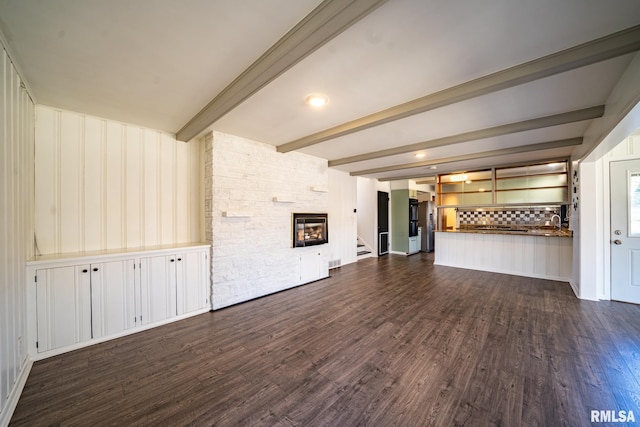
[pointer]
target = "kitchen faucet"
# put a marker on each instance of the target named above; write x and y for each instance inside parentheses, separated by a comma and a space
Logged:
(559, 221)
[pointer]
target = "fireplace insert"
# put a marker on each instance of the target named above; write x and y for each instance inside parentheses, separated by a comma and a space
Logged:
(310, 229)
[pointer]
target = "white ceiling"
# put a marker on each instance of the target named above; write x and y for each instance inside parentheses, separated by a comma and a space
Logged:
(158, 63)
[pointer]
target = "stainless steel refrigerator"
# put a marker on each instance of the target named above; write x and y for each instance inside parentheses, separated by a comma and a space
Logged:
(426, 222)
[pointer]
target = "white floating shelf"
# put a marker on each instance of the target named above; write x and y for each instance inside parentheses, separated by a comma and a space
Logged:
(320, 189)
(237, 214)
(282, 199)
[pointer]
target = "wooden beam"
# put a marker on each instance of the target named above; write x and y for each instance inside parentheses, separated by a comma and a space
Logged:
(542, 122)
(324, 23)
(608, 47)
(501, 152)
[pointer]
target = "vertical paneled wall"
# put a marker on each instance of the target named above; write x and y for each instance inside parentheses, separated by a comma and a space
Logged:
(16, 226)
(101, 184)
(342, 218)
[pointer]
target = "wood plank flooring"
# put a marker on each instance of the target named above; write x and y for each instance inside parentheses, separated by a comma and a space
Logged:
(387, 341)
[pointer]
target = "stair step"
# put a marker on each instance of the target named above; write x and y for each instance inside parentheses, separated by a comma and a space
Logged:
(363, 252)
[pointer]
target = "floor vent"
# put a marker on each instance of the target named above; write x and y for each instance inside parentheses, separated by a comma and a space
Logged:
(335, 263)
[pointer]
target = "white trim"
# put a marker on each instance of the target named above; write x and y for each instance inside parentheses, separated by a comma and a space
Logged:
(66, 349)
(398, 253)
(510, 273)
(606, 248)
(12, 400)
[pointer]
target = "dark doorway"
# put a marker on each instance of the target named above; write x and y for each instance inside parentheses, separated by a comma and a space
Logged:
(383, 223)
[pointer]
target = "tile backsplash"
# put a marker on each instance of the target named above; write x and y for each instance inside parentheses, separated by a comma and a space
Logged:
(517, 216)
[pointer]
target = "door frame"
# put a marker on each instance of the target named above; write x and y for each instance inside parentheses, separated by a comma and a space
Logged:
(604, 292)
(378, 232)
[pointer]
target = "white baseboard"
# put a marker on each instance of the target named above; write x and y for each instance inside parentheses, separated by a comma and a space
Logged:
(12, 400)
(62, 350)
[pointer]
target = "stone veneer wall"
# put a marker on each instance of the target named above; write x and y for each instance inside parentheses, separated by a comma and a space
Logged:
(516, 216)
(251, 252)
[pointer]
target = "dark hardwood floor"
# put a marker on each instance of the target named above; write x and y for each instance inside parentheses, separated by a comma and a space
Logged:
(384, 342)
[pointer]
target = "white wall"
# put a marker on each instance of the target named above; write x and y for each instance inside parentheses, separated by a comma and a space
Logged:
(252, 255)
(343, 226)
(621, 118)
(101, 184)
(367, 216)
(368, 210)
(16, 231)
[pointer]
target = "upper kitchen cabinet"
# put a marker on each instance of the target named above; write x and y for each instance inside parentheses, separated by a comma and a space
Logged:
(538, 184)
(468, 188)
(535, 184)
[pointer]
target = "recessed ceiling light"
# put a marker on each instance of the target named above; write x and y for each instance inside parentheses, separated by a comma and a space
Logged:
(316, 100)
(420, 155)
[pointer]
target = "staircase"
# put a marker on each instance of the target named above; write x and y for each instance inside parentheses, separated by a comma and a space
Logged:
(363, 250)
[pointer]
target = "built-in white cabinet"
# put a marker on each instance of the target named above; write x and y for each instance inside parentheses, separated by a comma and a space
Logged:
(311, 266)
(63, 308)
(173, 284)
(414, 244)
(158, 288)
(192, 281)
(79, 299)
(80, 302)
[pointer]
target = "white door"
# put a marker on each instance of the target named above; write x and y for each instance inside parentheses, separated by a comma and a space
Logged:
(192, 290)
(625, 231)
(158, 288)
(63, 303)
(309, 267)
(112, 297)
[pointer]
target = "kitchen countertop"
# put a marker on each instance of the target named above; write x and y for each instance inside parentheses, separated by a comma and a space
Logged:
(516, 230)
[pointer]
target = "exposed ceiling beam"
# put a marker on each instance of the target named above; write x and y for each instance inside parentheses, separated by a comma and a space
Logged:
(324, 23)
(422, 176)
(501, 152)
(608, 47)
(426, 180)
(541, 122)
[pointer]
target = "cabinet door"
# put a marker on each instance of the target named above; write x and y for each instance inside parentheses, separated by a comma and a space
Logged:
(192, 284)
(413, 244)
(310, 267)
(112, 297)
(158, 288)
(63, 301)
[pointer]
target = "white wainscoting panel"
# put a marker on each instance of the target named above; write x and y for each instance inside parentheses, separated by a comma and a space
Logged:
(343, 227)
(102, 184)
(16, 231)
(531, 256)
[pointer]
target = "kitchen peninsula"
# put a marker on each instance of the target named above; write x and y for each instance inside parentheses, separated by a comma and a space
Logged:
(533, 252)
(509, 220)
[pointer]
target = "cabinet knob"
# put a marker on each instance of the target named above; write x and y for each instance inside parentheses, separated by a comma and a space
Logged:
(95, 269)
(172, 260)
(85, 271)
(179, 259)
